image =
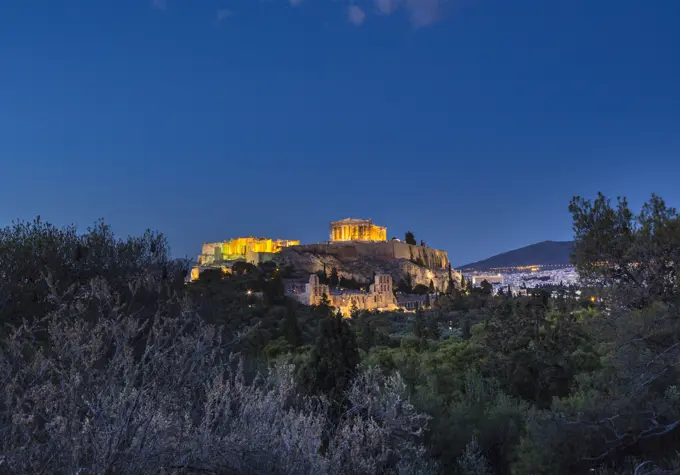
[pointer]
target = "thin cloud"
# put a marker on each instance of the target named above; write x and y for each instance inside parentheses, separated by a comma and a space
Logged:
(160, 4)
(223, 14)
(424, 12)
(420, 12)
(295, 3)
(385, 7)
(355, 15)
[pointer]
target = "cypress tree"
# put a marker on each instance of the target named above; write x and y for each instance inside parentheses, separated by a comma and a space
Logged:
(291, 328)
(333, 360)
(334, 280)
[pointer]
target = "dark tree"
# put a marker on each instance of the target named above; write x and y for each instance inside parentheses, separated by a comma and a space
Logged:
(324, 306)
(432, 289)
(405, 284)
(465, 329)
(419, 325)
(291, 328)
(242, 268)
(334, 280)
(31, 253)
(486, 287)
(354, 310)
(366, 338)
(333, 360)
(451, 285)
(420, 289)
(410, 238)
(274, 290)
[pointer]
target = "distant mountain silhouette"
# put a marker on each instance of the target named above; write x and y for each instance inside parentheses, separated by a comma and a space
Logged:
(542, 253)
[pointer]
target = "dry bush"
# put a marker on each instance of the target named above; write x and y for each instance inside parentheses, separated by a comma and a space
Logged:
(110, 392)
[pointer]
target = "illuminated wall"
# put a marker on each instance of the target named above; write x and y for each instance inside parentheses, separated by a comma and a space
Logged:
(357, 230)
(241, 248)
(379, 296)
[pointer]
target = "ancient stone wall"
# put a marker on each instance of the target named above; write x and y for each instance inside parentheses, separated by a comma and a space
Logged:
(347, 251)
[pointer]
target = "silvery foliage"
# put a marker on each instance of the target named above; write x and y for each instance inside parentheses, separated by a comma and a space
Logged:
(109, 393)
(472, 461)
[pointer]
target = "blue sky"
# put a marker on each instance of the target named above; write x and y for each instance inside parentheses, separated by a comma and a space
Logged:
(470, 122)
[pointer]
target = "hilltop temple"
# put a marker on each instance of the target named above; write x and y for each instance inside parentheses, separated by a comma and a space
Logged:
(357, 230)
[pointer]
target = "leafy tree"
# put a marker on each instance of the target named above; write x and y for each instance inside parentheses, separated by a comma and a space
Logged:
(635, 256)
(410, 238)
(628, 407)
(432, 289)
(38, 259)
(531, 346)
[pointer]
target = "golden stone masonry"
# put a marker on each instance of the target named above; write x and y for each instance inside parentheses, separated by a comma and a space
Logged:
(357, 230)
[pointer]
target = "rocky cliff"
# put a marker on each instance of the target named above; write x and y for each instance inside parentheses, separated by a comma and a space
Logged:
(307, 262)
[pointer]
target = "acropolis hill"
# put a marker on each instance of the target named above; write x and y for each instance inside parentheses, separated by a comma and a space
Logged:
(358, 249)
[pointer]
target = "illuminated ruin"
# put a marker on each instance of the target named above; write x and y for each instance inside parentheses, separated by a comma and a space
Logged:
(221, 255)
(357, 230)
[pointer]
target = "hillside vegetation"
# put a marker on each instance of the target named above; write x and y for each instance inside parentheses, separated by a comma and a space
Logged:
(111, 364)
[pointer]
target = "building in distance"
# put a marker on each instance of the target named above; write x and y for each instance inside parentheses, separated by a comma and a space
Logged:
(378, 297)
(491, 279)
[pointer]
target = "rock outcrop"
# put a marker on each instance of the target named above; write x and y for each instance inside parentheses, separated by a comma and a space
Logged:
(305, 262)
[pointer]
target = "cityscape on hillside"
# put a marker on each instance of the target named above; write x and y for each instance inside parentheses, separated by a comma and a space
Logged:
(543, 264)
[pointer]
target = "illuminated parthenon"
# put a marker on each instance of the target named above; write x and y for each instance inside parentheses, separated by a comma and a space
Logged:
(357, 230)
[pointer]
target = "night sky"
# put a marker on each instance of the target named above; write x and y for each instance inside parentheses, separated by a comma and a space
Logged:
(470, 122)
